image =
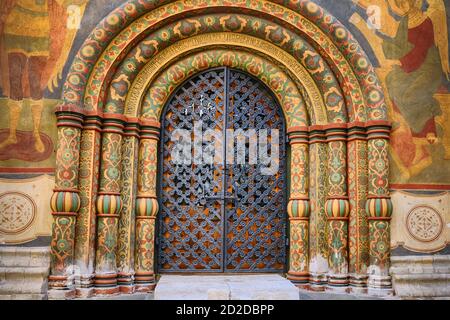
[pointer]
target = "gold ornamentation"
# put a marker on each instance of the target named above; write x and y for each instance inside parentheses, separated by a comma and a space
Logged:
(297, 72)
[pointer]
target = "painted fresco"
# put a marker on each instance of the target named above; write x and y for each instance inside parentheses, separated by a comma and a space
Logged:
(408, 42)
(414, 72)
(38, 40)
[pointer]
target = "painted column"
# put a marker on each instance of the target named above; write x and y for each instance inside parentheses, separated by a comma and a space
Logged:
(86, 220)
(65, 201)
(318, 238)
(298, 207)
(127, 220)
(146, 206)
(358, 228)
(337, 206)
(109, 205)
(379, 206)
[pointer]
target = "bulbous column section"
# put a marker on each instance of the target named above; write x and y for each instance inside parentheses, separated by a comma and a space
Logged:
(379, 207)
(146, 206)
(337, 206)
(65, 202)
(298, 207)
(109, 205)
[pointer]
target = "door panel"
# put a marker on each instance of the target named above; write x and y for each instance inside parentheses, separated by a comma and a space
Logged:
(191, 229)
(221, 217)
(256, 226)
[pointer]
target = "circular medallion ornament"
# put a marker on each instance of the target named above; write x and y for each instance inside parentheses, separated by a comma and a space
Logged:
(17, 212)
(424, 223)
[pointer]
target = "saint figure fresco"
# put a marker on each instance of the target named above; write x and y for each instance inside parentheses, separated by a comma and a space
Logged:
(414, 65)
(36, 37)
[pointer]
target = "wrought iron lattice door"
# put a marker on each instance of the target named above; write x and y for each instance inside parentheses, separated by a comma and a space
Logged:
(221, 216)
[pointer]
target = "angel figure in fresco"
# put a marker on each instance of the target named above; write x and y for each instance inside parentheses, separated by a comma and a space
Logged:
(35, 40)
(414, 63)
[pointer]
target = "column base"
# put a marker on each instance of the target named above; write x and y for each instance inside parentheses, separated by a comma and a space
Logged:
(84, 281)
(358, 280)
(84, 285)
(298, 277)
(61, 282)
(127, 289)
(125, 282)
(85, 292)
(145, 281)
(380, 282)
(106, 291)
(338, 281)
(106, 284)
(318, 282)
(61, 294)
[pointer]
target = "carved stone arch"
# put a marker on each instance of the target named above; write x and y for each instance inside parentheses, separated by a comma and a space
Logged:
(311, 21)
(307, 100)
(336, 166)
(287, 93)
(259, 30)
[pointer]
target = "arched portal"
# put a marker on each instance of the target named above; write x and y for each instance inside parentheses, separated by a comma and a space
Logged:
(107, 196)
(222, 210)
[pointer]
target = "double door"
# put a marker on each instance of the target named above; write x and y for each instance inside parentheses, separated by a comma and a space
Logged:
(222, 211)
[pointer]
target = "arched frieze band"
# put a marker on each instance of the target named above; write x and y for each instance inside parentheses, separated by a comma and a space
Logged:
(150, 71)
(280, 83)
(259, 28)
(374, 96)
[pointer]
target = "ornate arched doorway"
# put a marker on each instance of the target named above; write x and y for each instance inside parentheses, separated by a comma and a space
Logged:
(106, 197)
(220, 212)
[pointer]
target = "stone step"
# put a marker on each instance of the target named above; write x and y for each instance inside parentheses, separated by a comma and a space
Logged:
(438, 264)
(225, 287)
(421, 264)
(421, 276)
(22, 280)
(24, 272)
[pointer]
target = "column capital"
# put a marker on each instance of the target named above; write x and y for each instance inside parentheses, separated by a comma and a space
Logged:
(113, 123)
(69, 119)
(378, 129)
(356, 131)
(131, 129)
(150, 129)
(336, 132)
(92, 121)
(317, 134)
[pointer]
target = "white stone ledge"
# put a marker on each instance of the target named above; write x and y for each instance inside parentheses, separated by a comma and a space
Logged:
(24, 257)
(421, 276)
